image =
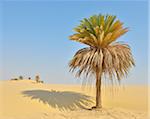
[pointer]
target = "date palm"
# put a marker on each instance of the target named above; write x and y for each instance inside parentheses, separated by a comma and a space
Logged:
(103, 56)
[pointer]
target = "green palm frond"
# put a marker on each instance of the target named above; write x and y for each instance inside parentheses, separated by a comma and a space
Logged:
(99, 30)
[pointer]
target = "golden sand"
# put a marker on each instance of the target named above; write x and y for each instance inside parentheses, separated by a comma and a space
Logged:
(26, 99)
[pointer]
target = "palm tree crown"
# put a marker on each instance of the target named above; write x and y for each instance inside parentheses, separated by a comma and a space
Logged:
(103, 55)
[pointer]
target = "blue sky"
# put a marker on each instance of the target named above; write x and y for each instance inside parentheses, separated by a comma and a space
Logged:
(34, 37)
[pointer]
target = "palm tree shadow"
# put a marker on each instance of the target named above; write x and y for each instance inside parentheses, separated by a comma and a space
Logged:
(65, 100)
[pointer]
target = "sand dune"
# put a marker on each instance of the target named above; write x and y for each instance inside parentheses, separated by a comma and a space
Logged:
(26, 99)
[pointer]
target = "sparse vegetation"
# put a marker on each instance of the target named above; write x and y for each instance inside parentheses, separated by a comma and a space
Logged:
(37, 79)
(29, 78)
(14, 79)
(21, 77)
(41, 81)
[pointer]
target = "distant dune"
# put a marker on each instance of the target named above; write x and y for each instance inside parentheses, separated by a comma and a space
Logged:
(26, 99)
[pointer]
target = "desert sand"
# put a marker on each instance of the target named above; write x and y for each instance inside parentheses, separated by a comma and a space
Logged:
(26, 99)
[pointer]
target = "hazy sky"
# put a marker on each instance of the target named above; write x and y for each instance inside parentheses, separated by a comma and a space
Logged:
(34, 37)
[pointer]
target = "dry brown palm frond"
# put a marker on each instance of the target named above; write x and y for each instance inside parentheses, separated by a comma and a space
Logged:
(116, 61)
(86, 60)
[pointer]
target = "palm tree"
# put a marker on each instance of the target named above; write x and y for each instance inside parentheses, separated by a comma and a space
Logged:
(104, 56)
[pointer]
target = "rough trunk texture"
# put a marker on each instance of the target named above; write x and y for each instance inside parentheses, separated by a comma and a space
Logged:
(98, 90)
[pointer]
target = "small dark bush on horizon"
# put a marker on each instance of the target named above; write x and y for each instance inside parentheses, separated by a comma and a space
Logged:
(21, 77)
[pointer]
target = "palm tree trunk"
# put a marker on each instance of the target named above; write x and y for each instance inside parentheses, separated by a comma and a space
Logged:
(98, 90)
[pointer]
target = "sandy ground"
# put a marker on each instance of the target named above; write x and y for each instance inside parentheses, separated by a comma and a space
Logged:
(26, 99)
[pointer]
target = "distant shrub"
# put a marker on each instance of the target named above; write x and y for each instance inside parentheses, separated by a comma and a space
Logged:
(37, 78)
(15, 79)
(29, 78)
(41, 81)
(21, 77)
